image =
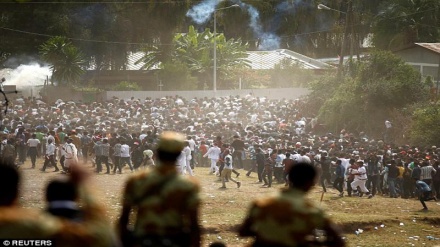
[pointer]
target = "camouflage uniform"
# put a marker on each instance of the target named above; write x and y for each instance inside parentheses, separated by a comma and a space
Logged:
(284, 220)
(163, 200)
(93, 229)
(20, 223)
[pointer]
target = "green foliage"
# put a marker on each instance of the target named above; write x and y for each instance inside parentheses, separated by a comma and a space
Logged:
(403, 22)
(177, 76)
(66, 61)
(429, 82)
(126, 86)
(362, 102)
(425, 129)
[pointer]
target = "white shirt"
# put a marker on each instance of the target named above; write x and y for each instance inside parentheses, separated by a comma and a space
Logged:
(213, 153)
(187, 151)
(228, 165)
(50, 149)
(363, 174)
(192, 144)
(125, 151)
(33, 142)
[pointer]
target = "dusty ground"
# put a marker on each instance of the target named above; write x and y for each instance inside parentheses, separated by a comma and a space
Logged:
(384, 221)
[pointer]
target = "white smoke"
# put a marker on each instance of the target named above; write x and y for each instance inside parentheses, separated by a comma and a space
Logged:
(203, 11)
(26, 75)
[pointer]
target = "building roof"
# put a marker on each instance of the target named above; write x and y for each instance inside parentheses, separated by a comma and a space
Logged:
(258, 60)
(268, 59)
(435, 47)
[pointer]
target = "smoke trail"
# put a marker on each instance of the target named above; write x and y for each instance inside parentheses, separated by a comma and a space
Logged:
(268, 40)
(203, 11)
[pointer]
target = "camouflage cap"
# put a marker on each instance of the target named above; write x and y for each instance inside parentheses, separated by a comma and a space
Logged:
(172, 142)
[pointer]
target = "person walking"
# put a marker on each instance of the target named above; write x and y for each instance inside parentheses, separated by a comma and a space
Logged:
(70, 154)
(168, 204)
(340, 176)
(125, 156)
(50, 156)
(33, 144)
(393, 173)
(268, 170)
(117, 156)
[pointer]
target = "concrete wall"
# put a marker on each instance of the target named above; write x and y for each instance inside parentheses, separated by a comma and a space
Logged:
(275, 93)
(423, 60)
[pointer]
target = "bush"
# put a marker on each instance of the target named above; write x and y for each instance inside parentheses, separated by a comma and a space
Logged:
(126, 86)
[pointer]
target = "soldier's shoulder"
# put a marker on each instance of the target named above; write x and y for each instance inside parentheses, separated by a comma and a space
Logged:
(26, 223)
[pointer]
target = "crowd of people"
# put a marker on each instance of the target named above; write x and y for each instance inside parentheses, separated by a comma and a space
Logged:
(228, 134)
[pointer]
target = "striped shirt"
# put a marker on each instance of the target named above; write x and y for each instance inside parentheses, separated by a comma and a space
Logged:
(426, 172)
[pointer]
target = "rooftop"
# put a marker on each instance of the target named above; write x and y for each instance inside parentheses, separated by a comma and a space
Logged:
(435, 47)
(258, 60)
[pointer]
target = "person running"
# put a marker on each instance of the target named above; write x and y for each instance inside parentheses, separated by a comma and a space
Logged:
(360, 178)
(227, 170)
(425, 193)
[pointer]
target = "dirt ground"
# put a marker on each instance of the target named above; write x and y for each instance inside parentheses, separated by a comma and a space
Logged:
(382, 221)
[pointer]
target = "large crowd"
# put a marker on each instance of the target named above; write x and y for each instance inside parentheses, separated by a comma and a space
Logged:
(226, 134)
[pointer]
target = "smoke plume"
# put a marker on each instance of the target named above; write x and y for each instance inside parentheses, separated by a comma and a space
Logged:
(268, 40)
(203, 11)
(26, 75)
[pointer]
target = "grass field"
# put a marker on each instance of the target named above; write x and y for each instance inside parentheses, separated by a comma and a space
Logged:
(384, 221)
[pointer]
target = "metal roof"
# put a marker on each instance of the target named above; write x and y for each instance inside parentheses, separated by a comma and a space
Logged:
(268, 59)
(435, 47)
(258, 60)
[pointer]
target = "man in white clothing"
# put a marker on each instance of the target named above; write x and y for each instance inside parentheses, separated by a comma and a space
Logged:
(213, 154)
(360, 179)
(70, 154)
(192, 146)
(188, 157)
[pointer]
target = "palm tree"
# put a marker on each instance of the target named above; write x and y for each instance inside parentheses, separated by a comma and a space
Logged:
(196, 50)
(66, 61)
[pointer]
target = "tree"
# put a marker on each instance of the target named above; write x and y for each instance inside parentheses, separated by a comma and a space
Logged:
(194, 51)
(425, 128)
(66, 61)
(403, 22)
(364, 101)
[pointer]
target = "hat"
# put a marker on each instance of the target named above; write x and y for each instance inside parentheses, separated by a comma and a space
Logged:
(172, 142)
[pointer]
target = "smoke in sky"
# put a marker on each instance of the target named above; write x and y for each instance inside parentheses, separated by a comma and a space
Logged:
(203, 11)
(268, 39)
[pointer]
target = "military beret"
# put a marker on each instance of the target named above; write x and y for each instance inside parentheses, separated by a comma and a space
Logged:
(172, 142)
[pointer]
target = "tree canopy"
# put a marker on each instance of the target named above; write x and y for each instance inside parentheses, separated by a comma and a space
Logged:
(363, 101)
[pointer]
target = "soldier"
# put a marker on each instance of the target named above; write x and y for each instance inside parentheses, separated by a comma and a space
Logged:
(17, 222)
(167, 204)
(290, 219)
